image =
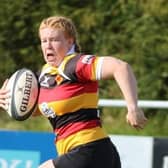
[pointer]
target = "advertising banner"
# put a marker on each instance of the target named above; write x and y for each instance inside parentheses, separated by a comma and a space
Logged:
(135, 151)
(25, 149)
(19, 149)
(160, 158)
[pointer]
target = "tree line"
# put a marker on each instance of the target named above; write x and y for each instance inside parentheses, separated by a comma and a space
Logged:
(135, 31)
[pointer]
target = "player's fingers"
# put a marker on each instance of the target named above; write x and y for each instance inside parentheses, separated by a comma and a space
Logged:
(138, 127)
(137, 124)
(4, 84)
(4, 104)
(4, 94)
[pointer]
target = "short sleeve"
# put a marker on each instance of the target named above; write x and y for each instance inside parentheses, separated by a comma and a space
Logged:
(89, 68)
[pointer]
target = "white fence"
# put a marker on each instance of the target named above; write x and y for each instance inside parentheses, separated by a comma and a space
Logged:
(141, 103)
(152, 151)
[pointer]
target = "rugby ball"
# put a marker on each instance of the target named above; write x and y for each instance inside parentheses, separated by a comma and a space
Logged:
(23, 89)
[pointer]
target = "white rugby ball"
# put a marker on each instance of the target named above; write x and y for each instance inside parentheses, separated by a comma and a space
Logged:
(24, 88)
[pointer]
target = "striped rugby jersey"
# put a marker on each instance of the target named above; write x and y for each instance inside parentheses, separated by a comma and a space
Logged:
(69, 97)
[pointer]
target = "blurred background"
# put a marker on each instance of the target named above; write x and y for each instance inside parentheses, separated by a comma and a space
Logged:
(134, 31)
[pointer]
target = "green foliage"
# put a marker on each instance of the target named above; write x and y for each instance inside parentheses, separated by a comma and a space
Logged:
(19, 34)
(114, 122)
(135, 31)
(33, 123)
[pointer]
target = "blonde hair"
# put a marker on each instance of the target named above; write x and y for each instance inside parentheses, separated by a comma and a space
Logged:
(63, 23)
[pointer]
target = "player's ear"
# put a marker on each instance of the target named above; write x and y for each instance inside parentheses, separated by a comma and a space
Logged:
(70, 41)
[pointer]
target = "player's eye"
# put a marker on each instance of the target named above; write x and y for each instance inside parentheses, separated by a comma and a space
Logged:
(43, 40)
(55, 39)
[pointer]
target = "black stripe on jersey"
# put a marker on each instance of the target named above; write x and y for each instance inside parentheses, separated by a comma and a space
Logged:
(70, 68)
(80, 115)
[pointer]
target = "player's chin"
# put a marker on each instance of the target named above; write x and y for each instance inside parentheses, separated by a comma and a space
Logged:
(53, 63)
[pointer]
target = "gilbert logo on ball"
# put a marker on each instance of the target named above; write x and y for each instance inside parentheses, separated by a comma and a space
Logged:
(23, 86)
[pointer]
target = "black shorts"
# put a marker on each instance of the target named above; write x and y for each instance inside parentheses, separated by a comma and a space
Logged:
(97, 154)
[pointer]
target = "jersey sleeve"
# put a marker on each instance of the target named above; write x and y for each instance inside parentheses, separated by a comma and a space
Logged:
(89, 68)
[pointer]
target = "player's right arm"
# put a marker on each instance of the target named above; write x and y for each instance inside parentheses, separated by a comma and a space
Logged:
(36, 112)
(4, 95)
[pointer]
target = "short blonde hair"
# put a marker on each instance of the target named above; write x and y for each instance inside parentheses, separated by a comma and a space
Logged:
(64, 24)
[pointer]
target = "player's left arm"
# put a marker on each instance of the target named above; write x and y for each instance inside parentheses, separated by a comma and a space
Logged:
(124, 76)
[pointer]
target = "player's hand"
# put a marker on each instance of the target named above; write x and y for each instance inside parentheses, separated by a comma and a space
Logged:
(136, 118)
(47, 164)
(4, 95)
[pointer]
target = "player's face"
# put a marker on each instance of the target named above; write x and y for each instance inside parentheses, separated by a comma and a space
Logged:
(54, 45)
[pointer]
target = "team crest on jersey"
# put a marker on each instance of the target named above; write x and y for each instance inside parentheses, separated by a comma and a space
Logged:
(59, 79)
(87, 59)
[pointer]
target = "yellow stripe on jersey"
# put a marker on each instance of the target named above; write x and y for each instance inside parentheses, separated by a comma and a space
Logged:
(72, 104)
(66, 59)
(48, 69)
(79, 138)
(97, 68)
(94, 65)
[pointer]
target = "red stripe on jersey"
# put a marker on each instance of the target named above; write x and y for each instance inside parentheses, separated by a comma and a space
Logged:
(84, 67)
(72, 128)
(66, 91)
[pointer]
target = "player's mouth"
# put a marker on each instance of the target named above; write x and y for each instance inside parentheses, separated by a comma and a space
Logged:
(50, 57)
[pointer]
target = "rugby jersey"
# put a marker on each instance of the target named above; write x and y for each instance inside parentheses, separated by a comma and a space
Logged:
(68, 98)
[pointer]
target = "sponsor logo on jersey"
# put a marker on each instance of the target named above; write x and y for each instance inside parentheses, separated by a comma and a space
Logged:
(47, 111)
(87, 59)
